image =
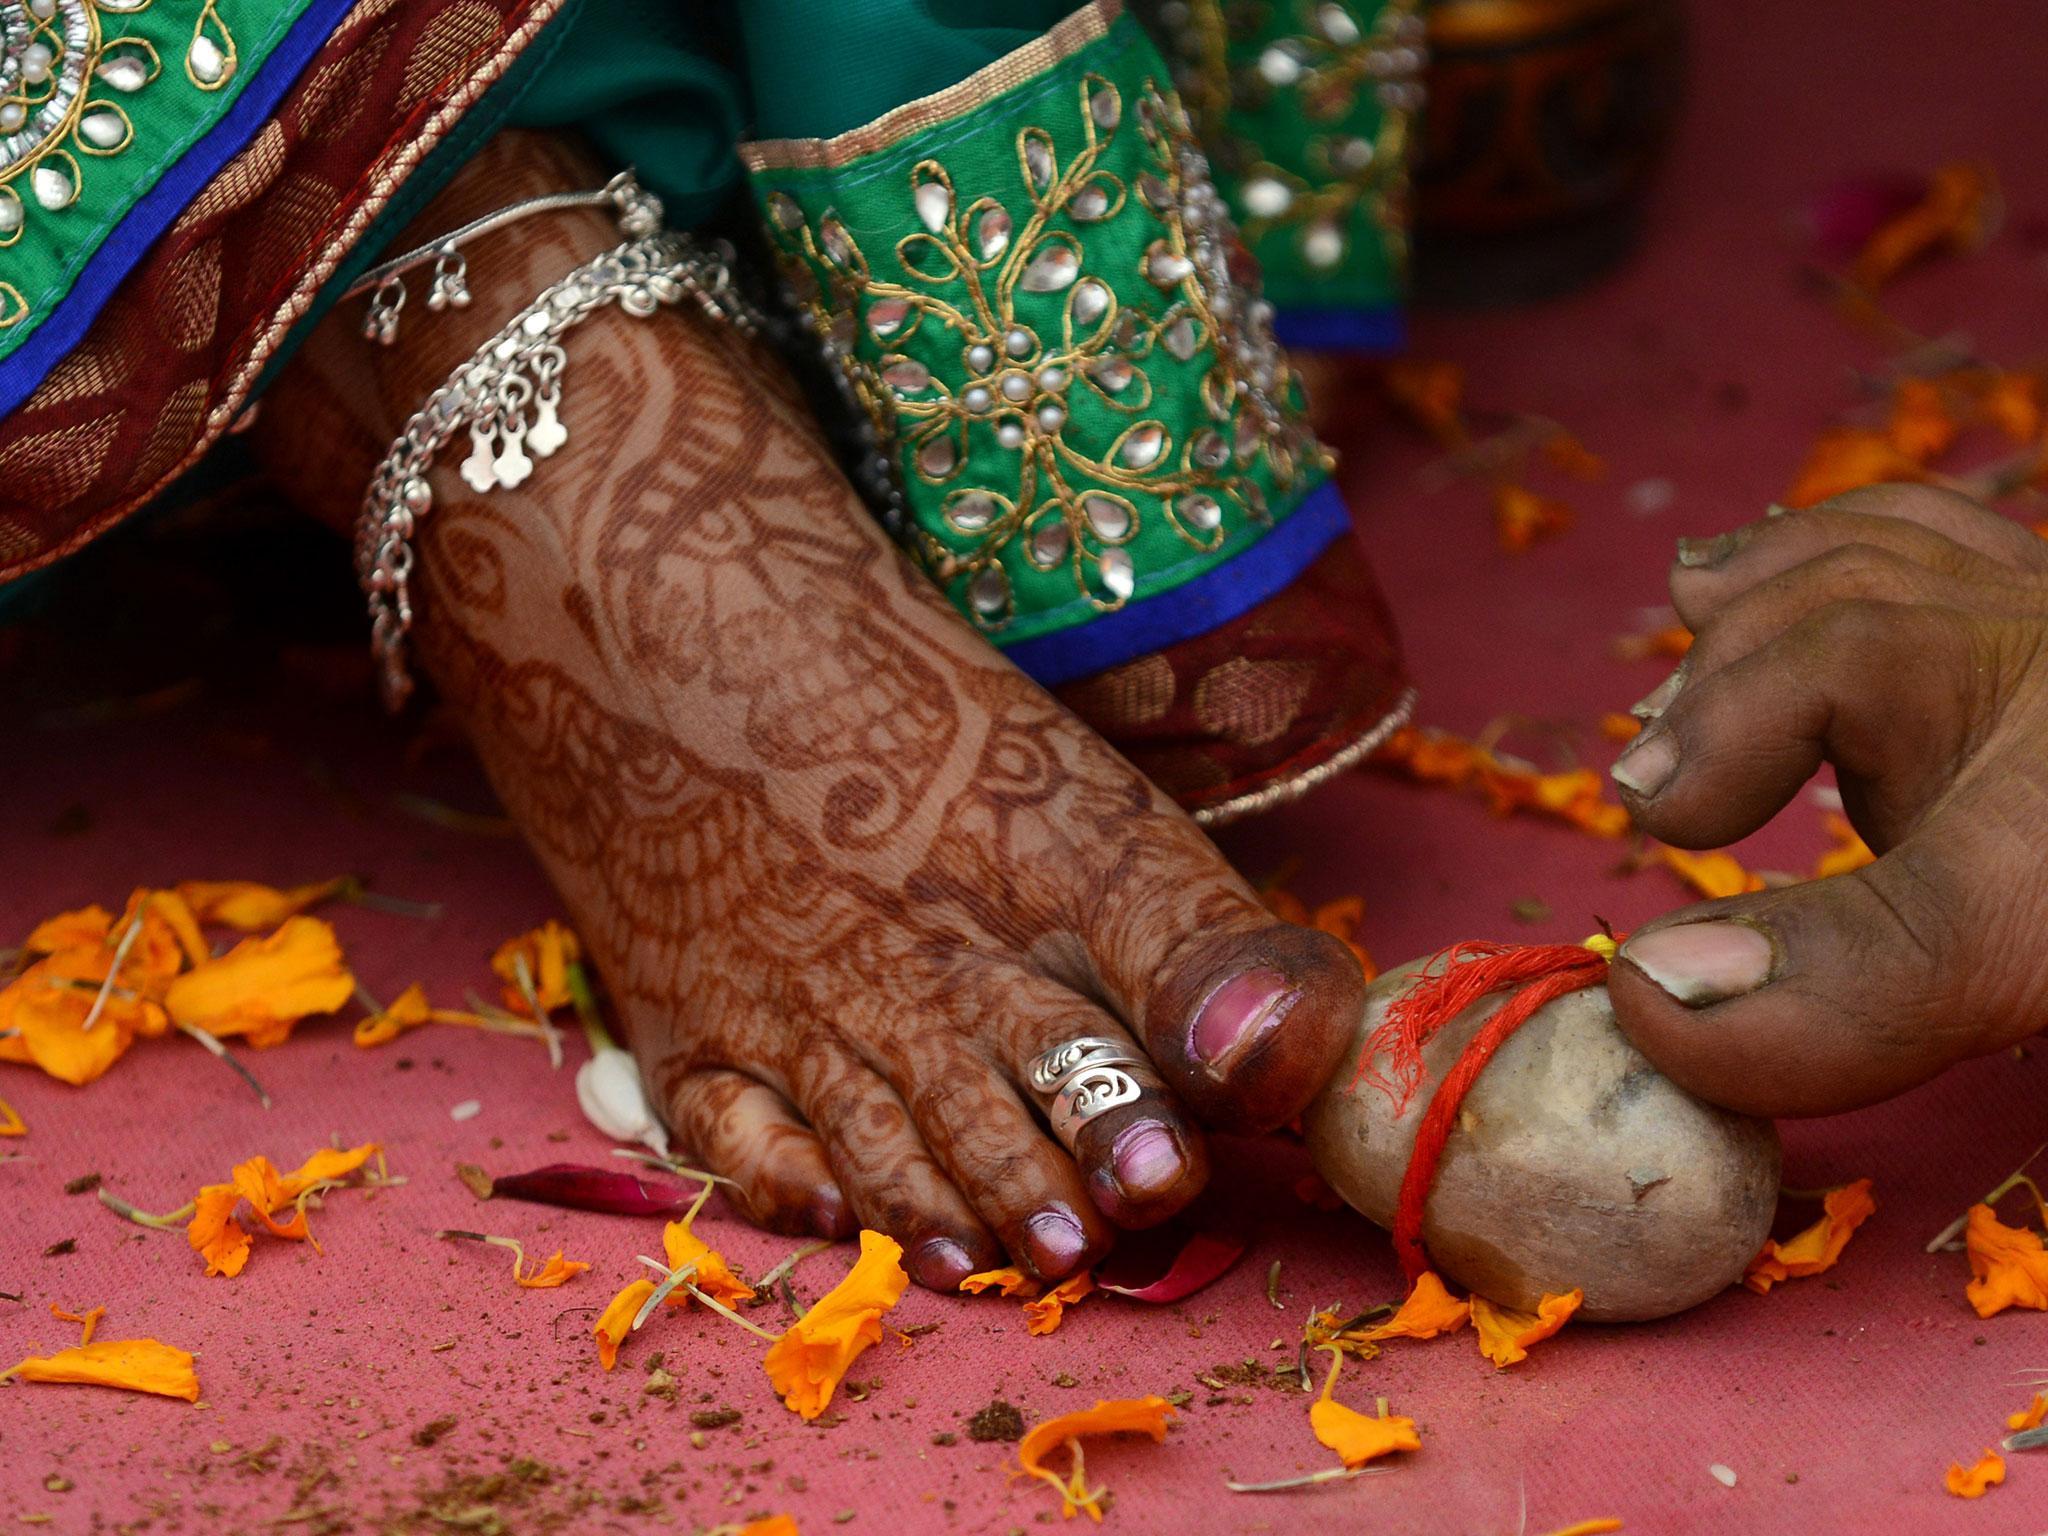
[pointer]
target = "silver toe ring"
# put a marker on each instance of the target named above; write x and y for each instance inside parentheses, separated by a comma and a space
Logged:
(1053, 1067)
(1088, 1093)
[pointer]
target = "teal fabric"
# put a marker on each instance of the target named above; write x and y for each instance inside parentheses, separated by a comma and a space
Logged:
(669, 87)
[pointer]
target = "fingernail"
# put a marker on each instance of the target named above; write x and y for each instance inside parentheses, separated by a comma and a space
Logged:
(1147, 1159)
(1054, 1242)
(1646, 767)
(1697, 554)
(1702, 963)
(1658, 699)
(941, 1264)
(1242, 1007)
(1775, 510)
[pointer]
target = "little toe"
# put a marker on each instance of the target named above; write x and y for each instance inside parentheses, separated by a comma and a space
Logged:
(743, 1130)
(895, 1184)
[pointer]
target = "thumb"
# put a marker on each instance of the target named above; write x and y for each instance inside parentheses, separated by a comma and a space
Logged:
(1834, 994)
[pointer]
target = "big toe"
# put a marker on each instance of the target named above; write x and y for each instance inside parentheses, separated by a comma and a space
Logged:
(1246, 1017)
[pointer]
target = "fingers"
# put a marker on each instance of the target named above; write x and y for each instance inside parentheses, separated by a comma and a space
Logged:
(1938, 531)
(1884, 691)
(892, 1180)
(1837, 993)
(1243, 1016)
(745, 1131)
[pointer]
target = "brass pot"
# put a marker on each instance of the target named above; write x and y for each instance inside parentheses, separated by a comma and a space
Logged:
(1546, 120)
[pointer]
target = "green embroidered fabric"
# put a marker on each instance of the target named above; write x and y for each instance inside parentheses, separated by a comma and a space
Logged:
(1308, 108)
(1026, 284)
(104, 96)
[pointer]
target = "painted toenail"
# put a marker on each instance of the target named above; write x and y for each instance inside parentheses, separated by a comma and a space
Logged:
(1645, 768)
(941, 1264)
(1055, 1242)
(1147, 1159)
(1702, 963)
(828, 1213)
(1240, 1009)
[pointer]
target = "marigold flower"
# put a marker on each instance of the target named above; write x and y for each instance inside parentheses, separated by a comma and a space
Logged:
(1920, 425)
(1957, 213)
(1712, 875)
(617, 1320)
(87, 928)
(1847, 459)
(216, 1236)
(2029, 1417)
(1044, 1315)
(1849, 853)
(2008, 1266)
(262, 987)
(1618, 727)
(1971, 1482)
(1356, 1438)
(535, 968)
(1436, 757)
(50, 1007)
(1009, 1281)
(1340, 919)
(253, 908)
(2011, 402)
(1505, 1335)
(133, 1365)
(1819, 1246)
(1429, 1310)
(1521, 516)
(1140, 1415)
(713, 1276)
(808, 1362)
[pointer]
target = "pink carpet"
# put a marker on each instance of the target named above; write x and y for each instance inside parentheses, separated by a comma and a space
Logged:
(1838, 1402)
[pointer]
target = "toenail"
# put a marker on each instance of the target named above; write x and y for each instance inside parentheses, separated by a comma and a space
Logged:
(828, 1213)
(1703, 963)
(941, 1264)
(1055, 1242)
(1147, 1159)
(1653, 704)
(1240, 1009)
(1646, 767)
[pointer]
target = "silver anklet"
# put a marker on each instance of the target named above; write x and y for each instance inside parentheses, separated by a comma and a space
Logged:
(518, 368)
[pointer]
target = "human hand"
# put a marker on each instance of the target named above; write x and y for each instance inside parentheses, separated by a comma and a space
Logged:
(1901, 634)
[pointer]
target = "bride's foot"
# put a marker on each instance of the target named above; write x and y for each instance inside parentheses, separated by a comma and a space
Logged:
(846, 872)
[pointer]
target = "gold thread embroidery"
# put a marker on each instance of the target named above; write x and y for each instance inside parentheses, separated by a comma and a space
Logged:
(963, 269)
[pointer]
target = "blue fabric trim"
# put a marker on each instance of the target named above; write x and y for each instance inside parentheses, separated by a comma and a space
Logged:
(1195, 607)
(158, 208)
(1377, 331)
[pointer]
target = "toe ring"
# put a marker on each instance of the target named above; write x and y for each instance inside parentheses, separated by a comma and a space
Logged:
(1053, 1067)
(1088, 1093)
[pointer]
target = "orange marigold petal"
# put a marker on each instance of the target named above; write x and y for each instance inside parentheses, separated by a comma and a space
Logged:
(87, 928)
(548, 951)
(1429, 1310)
(1134, 1415)
(1713, 875)
(1505, 1335)
(87, 1320)
(1819, 1246)
(1009, 1280)
(616, 1321)
(808, 1362)
(1970, 1482)
(261, 987)
(2029, 1417)
(252, 907)
(1358, 1438)
(1847, 459)
(2008, 1266)
(556, 1271)
(213, 1232)
(1046, 1314)
(1849, 853)
(133, 1365)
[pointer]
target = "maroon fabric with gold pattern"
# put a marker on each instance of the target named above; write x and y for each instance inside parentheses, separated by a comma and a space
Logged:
(1265, 707)
(171, 360)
